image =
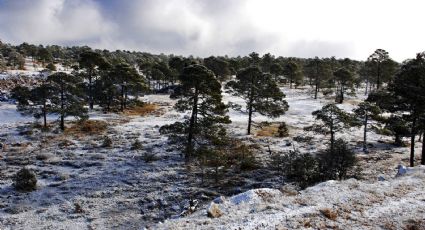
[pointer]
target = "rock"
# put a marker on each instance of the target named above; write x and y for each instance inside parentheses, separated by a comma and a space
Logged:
(214, 211)
(219, 200)
(401, 170)
(381, 178)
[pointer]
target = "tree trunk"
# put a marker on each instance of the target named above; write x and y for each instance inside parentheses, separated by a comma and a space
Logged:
(44, 115)
(122, 98)
(367, 82)
(365, 134)
(378, 79)
(90, 89)
(251, 100)
(412, 143)
(423, 151)
(192, 122)
(62, 124)
(332, 137)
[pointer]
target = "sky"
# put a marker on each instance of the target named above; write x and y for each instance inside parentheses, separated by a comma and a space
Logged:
(298, 28)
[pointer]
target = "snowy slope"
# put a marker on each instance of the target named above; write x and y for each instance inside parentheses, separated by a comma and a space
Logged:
(394, 204)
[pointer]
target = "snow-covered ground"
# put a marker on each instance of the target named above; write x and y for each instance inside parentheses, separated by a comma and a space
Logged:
(116, 188)
(396, 203)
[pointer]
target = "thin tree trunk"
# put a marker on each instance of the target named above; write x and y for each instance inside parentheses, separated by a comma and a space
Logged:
(90, 89)
(189, 147)
(332, 137)
(423, 151)
(249, 118)
(412, 143)
(365, 134)
(378, 80)
(44, 115)
(62, 125)
(122, 98)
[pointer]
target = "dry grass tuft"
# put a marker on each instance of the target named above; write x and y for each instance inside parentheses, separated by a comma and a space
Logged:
(268, 131)
(142, 110)
(87, 127)
(328, 213)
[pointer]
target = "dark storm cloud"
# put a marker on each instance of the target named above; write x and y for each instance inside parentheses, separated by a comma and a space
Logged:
(214, 27)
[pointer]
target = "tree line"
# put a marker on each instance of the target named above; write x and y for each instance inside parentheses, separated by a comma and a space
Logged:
(109, 79)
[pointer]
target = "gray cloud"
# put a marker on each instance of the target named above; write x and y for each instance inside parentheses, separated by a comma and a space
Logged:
(212, 27)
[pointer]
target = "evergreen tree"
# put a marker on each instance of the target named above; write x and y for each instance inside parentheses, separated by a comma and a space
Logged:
(200, 93)
(344, 79)
(333, 120)
(292, 71)
(381, 67)
(91, 61)
(128, 79)
(260, 93)
(67, 96)
(408, 87)
(276, 70)
(35, 101)
(266, 62)
(364, 112)
(219, 66)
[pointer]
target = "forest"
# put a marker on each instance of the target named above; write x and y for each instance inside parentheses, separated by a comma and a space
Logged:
(102, 127)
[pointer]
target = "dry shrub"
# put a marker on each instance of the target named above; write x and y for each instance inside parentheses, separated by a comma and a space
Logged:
(141, 110)
(87, 127)
(278, 129)
(268, 131)
(328, 213)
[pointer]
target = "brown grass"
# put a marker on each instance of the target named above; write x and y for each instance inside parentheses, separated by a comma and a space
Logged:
(268, 131)
(89, 127)
(331, 215)
(143, 110)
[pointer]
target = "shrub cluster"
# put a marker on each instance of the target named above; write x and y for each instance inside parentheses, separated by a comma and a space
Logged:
(306, 169)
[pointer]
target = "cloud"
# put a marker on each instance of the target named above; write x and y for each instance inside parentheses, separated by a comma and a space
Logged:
(302, 28)
(52, 21)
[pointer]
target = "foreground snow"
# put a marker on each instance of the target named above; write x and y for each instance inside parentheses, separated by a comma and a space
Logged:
(396, 203)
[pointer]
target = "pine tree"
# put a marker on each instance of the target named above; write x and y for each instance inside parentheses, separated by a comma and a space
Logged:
(67, 96)
(35, 101)
(292, 71)
(128, 79)
(333, 120)
(381, 67)
(260, 92)
(200, 93)
(345, 79)
(219, 66)
(91, 61)
(365, 111)
(408, 87)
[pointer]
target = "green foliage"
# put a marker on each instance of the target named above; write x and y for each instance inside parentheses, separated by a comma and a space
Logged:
(282, 130)
(51, 67)
(306, 169)
(137, 145)
(25, 180)
(345, 79)
(293, 72)
(34, 101)
(335, 162)
(107, 142)
(260, 92)
(200, 93)
(333, 119)
(219, 66)
(67, 96)
(381, 67)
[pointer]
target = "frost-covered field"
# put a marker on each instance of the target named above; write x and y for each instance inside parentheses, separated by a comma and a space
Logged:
(82, 185)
